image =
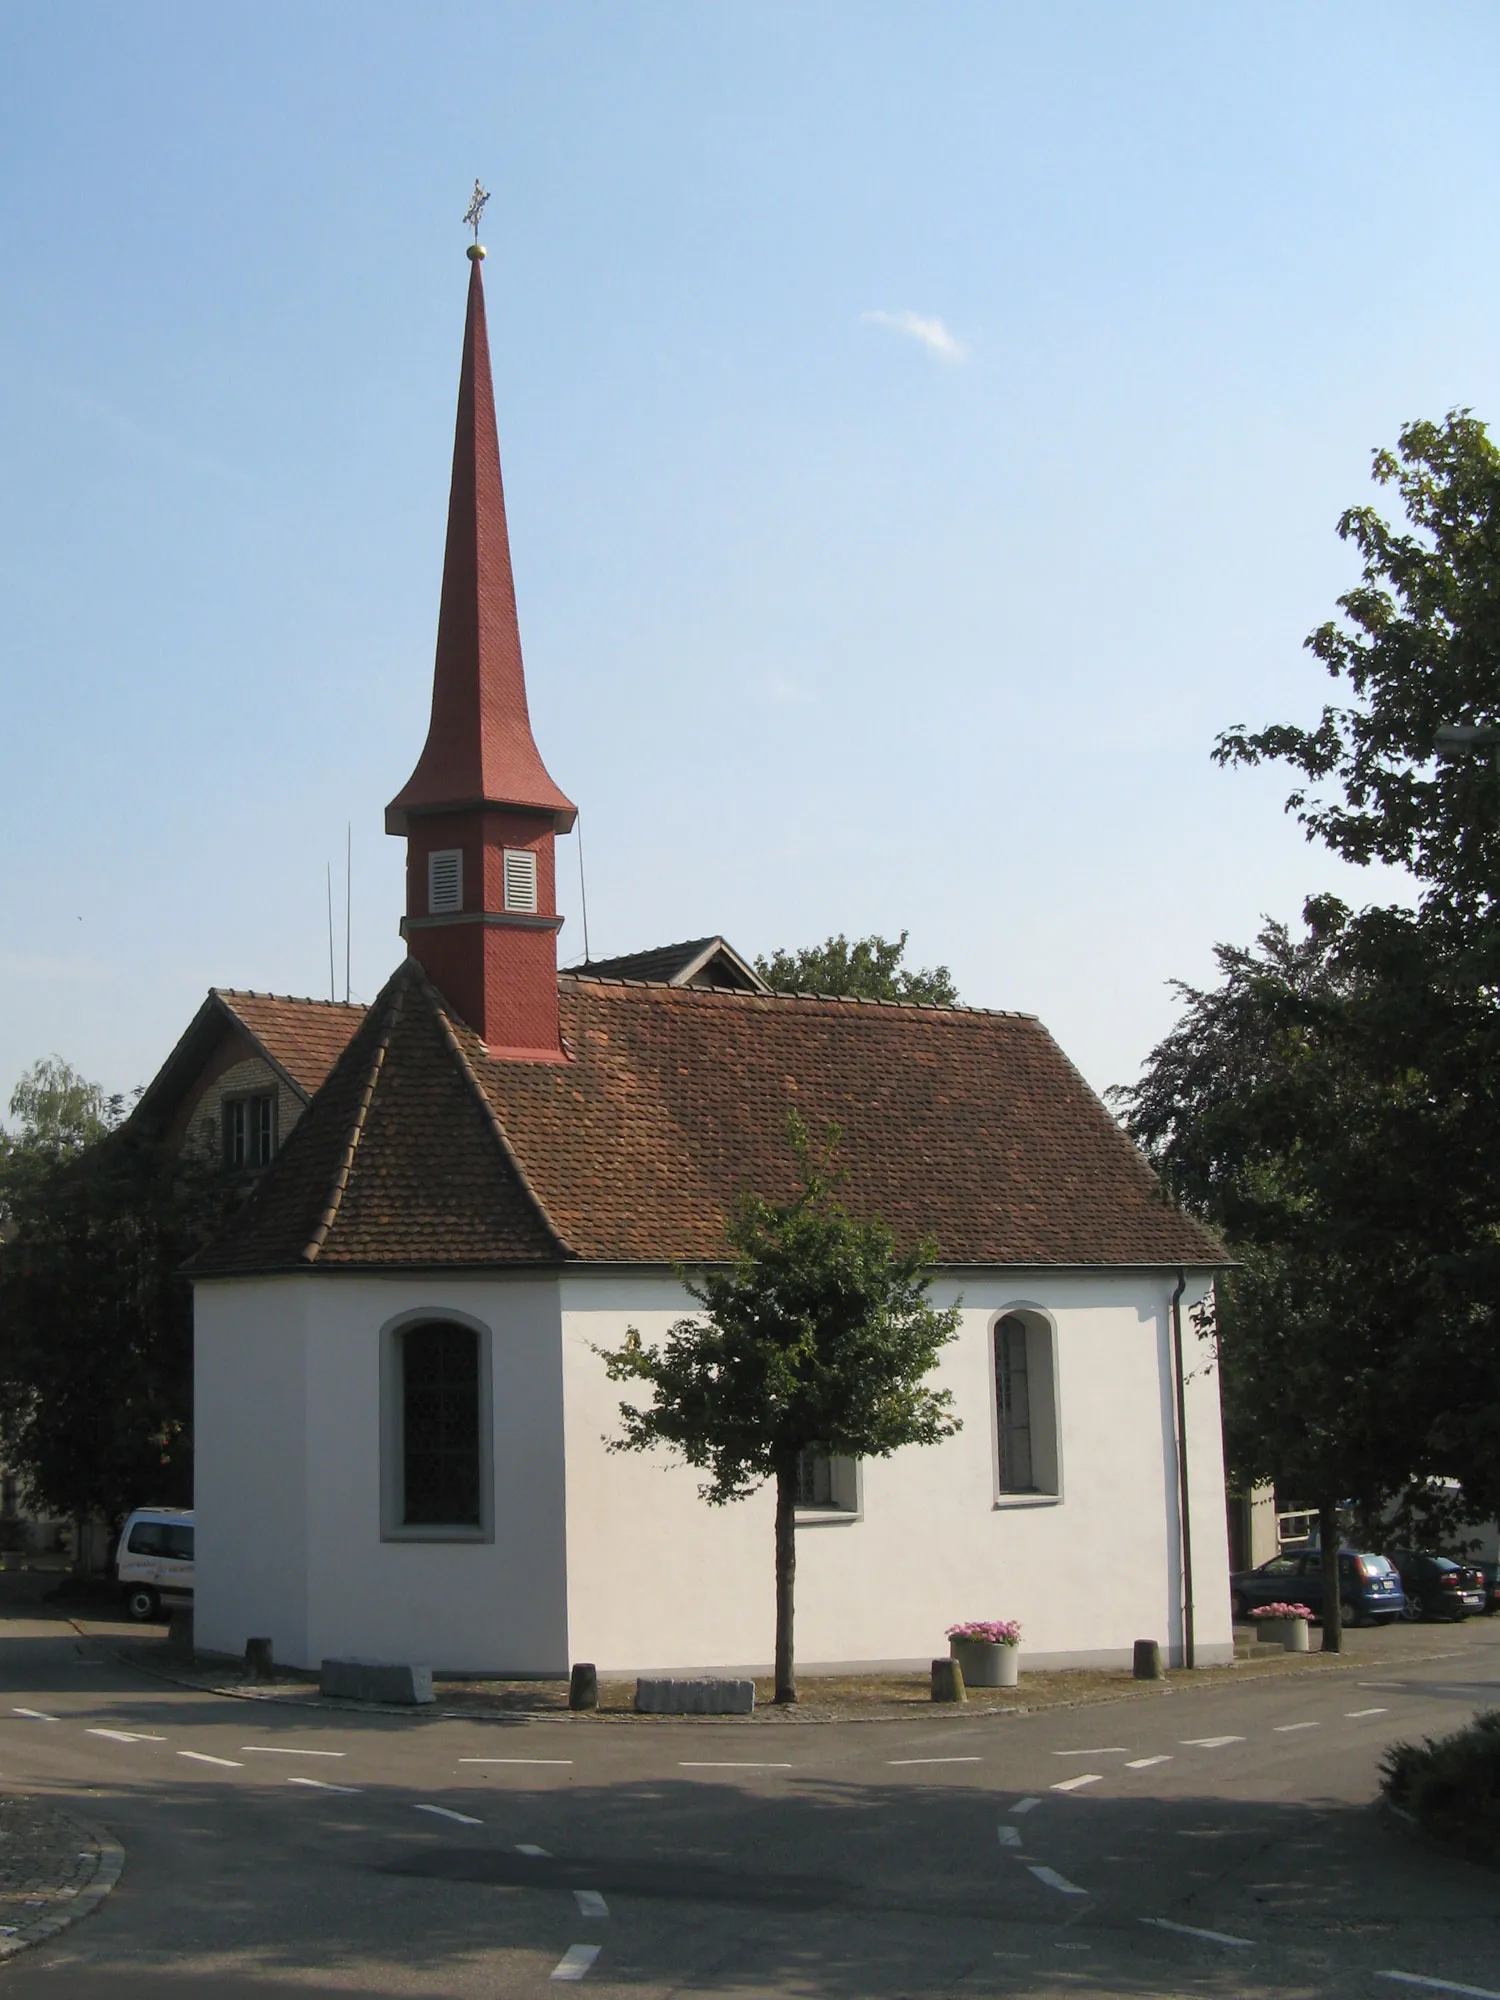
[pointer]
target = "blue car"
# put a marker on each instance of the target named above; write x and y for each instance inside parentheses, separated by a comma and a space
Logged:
(1369, 1587)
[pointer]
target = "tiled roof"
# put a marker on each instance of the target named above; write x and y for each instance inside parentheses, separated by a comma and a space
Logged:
(306, 1037)
(970, 1127)
(677, 963)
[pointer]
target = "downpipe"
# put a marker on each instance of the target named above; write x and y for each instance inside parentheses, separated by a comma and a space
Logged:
(1189, 1651)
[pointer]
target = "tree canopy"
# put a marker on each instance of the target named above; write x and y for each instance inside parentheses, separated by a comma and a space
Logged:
(1331, 1104)
(816, 1336)
(95, 1318)
(869, 969)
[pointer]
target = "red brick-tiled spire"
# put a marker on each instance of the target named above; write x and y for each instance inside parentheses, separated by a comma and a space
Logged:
(479, 744)
(480, 810)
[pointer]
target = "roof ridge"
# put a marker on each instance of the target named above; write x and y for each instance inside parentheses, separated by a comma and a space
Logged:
(512, 1158)
(288, 999)
(341, 1179)
(582, 975)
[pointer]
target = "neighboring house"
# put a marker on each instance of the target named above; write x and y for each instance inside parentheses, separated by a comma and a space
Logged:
(401, 1412)
(711, 961)
(243, 1073)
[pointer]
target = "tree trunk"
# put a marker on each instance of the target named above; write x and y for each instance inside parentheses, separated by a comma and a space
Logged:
(786, 1578)
(1333, 1610)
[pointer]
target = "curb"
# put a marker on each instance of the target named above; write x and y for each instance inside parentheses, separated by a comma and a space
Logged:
(109, 1865)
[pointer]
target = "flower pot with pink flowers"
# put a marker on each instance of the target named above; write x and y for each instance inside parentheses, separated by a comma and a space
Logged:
(988, 1651)
(1283, 1625)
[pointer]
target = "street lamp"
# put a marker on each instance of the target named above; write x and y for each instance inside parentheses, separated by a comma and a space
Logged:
(1460, 739)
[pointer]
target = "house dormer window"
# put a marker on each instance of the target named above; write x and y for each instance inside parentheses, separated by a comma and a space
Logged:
(249, 1130)
(520, 881)
(445, 880)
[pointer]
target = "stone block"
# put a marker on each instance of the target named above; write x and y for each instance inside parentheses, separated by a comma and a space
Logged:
(375, 1680)
(948, 1681)
(695, 1697)
(180, 1632)
(583, 1686)
(258, 1661)
(1148, 1665)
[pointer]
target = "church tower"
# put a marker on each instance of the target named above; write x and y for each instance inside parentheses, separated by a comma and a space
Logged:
(480, 812)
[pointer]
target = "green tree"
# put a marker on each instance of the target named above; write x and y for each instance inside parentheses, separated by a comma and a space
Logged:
(1418, 646)
(817, 1336)
(869, 969)
(1261, 1115)
(95, 1322)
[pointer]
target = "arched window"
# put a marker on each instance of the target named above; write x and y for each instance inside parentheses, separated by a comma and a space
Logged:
(1025, 1406)
(441, 1447)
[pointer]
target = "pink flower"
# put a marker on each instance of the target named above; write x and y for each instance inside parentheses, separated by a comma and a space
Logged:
(1282, 1611)
(994, 1631)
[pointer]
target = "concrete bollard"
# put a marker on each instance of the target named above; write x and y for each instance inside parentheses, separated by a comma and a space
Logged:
(180, 1632)
(948, 1681)
(583, 1685)
(258, 1662)
(1148, 1665)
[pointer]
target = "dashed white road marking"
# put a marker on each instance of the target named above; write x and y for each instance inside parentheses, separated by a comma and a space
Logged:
(1055, 1881)
(1010, 1836)
(590, 1903)
(36, 1714)
(125, 1735)
(1440, 1985)
(1209, 1742)
(1287, 1728)
(725, 1764)
(1106, 1750)
(447, 1812)
(1145, 1763)
(1077, 1784)
(892, 1762)
(322, 1785)
(575, 1961)
(505, 1760)
(1354, 1714)
(1025, 1805)
(1192, 1930)
(281, 1750)
(202, 1757)
(536, 1853)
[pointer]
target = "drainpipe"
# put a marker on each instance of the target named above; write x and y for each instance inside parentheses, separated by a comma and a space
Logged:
(1188, 1653)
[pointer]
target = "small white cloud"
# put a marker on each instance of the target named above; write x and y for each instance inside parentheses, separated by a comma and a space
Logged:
(780, 689)
(933, 335)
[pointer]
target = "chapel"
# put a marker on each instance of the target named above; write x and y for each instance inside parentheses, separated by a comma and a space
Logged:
(402, 1420)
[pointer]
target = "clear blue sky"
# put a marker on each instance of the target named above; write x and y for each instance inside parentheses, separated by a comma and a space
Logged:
(923, 428)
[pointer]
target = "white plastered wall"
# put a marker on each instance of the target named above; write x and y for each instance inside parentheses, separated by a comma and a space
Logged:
(659, 1580)
(288, 1487)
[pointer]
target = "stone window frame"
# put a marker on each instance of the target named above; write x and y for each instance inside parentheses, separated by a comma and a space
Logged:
(266, 1093)
(393, 1527)
(848, 1504)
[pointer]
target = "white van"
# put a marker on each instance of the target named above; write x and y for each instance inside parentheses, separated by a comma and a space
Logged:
(154, 1562)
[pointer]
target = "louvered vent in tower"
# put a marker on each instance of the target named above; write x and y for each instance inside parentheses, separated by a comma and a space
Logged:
(520, 881)
(445, 880)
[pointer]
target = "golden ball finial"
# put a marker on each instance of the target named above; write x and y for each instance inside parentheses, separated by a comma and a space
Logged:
(474, 252)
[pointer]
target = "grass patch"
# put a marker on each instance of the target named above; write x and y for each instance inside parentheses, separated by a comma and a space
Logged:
(1451, 1786)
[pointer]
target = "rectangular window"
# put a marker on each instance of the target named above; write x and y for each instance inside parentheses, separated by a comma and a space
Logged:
(445, 880)
(826, 1485)
(249, 1131)
(1013, 1395)
(236, 1133)
(520, 881)
(440, 1445)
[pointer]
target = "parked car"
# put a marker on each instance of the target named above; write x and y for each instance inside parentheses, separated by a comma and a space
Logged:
(1369, 1586)
(1437, 1586)
(1491, 1574)
(154, 1561)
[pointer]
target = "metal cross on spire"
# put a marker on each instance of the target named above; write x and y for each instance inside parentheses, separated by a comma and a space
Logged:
(476, 208)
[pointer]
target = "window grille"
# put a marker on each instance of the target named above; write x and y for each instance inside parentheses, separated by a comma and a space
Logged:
(236, 1133)
(814, 1480)
(1013, 1397)
(440, 1426)
(520, 881)
(445, 880)
(249, 1131)
(262, 1130)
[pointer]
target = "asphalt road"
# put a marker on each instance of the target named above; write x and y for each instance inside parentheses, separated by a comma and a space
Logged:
(1214, 1840)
